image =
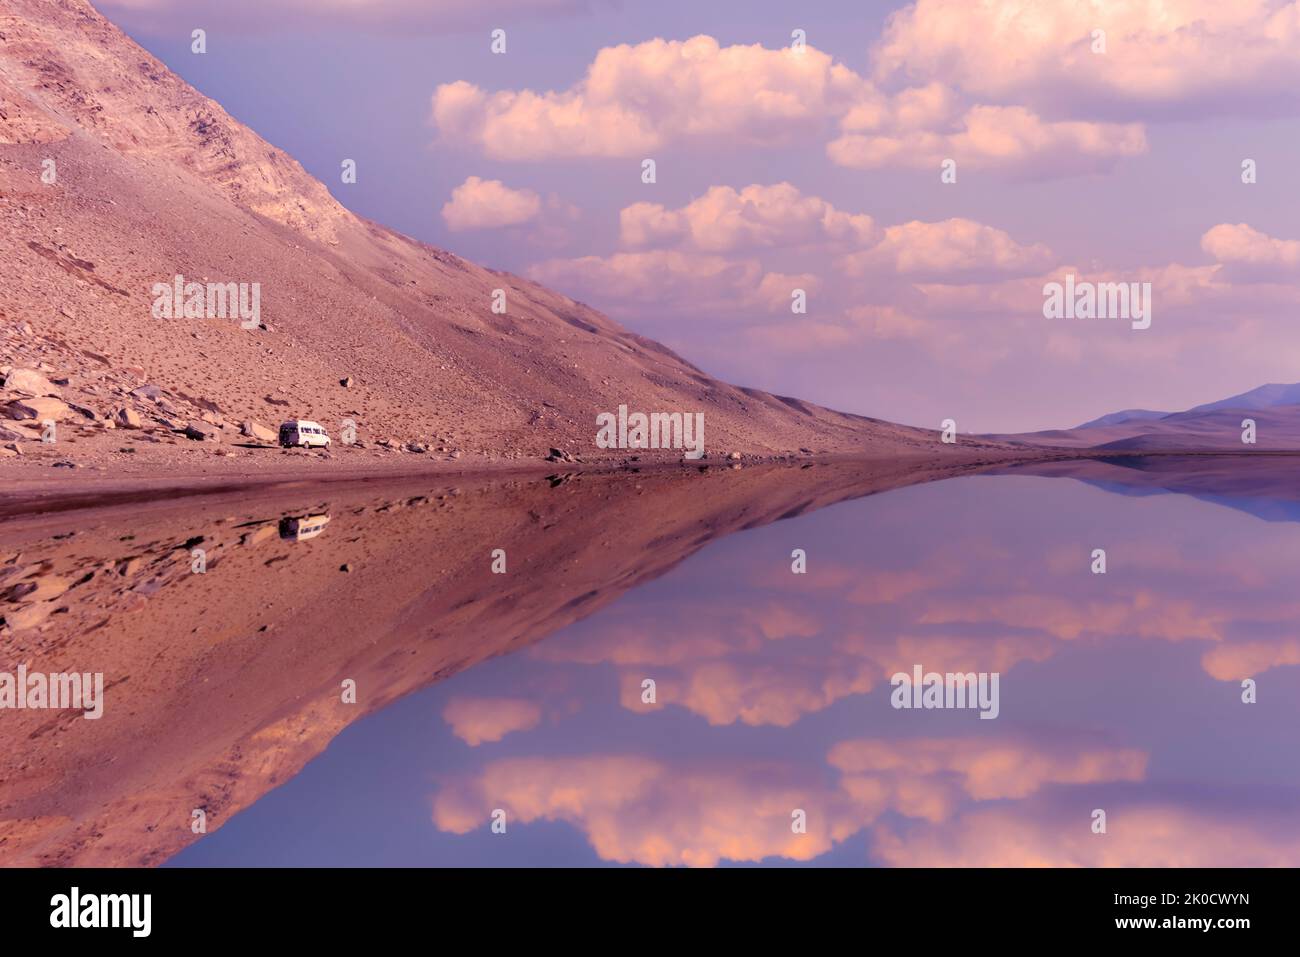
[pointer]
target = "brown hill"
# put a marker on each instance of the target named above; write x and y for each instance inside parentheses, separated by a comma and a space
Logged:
(155, 180)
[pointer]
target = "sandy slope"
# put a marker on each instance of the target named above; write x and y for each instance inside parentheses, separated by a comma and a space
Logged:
(155, 180)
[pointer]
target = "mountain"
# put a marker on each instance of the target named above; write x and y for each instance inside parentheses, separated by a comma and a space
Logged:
(1264, 397)
(1116, 418)
(152, 180)
(1213, 426)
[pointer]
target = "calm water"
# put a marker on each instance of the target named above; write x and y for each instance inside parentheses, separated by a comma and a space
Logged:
(1119, 692)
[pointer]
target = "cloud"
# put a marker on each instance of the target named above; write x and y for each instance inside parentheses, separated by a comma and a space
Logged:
(725, 219)
(1009, 138)
(1250, 255)
(479, 720)
(990, 769)
(644, 810)
(949, 251)
(640, 810)
(489, 204)
(1152, 834)
(637, 98)
(681, 258)
(671, 279)
(1180, 56)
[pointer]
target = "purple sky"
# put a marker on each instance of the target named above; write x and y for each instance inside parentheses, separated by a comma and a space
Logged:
(924, 298)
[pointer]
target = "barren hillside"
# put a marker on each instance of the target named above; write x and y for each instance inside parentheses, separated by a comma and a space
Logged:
(154, 180)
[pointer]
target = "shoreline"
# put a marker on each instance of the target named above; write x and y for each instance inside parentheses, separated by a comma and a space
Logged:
(28, 497)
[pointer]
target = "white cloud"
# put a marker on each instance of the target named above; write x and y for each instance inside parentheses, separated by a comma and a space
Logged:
(489, 204)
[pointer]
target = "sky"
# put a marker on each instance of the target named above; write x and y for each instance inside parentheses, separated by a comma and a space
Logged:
(803, 147)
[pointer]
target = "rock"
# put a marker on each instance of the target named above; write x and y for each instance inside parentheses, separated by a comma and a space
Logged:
(345, 568)
(346, 382)
(9, 435)
(555, 455)
(39, 409)
(733, 456)
(27, 616)
(202, 432)
(210, 418)
(30, 382)
(36, 589)
(255, 430)
(84, 411)
(150, 392)
(274, 401)
(416, 447)
(10, 451)
(126, 418)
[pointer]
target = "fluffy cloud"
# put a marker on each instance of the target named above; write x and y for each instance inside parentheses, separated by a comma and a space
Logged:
(489, 203)
(1010, 138)
(636, 809)
(1249, 254)
(1173, 54)
(950, 251)
(725, 219)
(1147, 835)
(640, 810)
(479, 720)
(990, 769)
(638, 97)
(669, 278)
(680, 256)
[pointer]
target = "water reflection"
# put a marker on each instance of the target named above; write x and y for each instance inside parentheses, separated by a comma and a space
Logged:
(1119, 691)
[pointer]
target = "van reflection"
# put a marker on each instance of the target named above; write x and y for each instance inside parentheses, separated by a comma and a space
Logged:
(298, 529)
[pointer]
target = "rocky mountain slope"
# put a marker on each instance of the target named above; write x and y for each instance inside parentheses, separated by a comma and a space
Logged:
(152, 180)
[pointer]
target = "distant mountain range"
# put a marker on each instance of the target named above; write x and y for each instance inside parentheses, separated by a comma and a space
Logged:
(1213, 426)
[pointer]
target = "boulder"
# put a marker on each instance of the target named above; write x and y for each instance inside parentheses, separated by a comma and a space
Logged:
(30, 382)
(27, 616)
(202, 432)
(346, 382)
(150, 392)
(40, 409)
(10, 435)
(257, 431)
(126, 418)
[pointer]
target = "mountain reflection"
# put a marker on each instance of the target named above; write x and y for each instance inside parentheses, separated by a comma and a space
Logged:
(1120, 691)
